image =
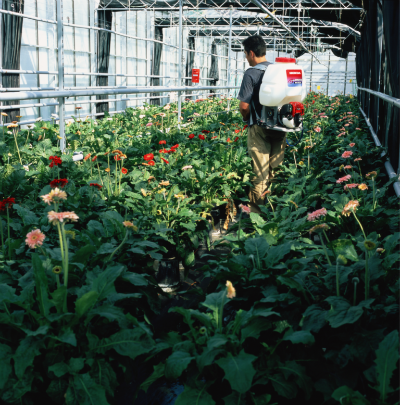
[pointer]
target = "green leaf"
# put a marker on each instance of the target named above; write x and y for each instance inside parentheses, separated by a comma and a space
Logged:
(67, 336)
(342, 312)
(86, 302)
(284, 388)
(301, 378)
(83, 254)
(235, 399)
(276, 254)
(111, 313)
(135, 279)
(104, 375)
(344, 247)
(104, 283)
(314, 318)
(353, 398)
(258, 247)
(300, 336)
(26, 352)
(28, 217)
(128, 342)
(159, 371)
(290, 282)
(59, 296)
(239, 370)
(253, 328)
(387, 357)
(215, 302)
(57, 390)
(42, 287)
(189, 260)
(5, 366)
(176, 364)
(194, 396)
(83, 390)
(59, 369)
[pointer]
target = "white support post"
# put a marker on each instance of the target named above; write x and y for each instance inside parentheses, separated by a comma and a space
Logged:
(228, 73)
(60, 46)
(94, 22)
(180, 63)
(329, 67)
(345, 76)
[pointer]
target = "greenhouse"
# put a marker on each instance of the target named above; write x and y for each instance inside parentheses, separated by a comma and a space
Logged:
(199, 202)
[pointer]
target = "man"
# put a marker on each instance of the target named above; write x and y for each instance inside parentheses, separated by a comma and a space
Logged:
(266, 147)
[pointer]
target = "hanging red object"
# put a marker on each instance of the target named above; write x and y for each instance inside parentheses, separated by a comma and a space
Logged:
(195, 75)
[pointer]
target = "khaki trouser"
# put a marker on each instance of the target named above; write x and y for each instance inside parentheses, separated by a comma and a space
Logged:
(267, 149)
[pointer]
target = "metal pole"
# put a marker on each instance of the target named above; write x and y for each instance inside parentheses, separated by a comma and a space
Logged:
(229, 53)
(180, 63)
(274, 47)
(329, 66)
(311, 73)
(345, 76)
(60, 46)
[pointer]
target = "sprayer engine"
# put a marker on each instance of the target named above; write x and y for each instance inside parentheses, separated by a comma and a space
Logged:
(289, 115)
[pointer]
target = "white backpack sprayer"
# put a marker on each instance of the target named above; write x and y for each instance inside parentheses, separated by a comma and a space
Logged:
(282, 89)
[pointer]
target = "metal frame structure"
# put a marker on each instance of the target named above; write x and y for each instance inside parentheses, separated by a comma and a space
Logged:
(226, 23)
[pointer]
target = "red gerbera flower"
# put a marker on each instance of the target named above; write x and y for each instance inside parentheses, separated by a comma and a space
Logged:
(165, 160)
(214, 137)
(151, 163)
(202, 137)
(163, 151)
(55, 161)
(236, 139)
(237, 131)
(228, 140)
(98, 186)
(191, 136)
(245, 127)
(205, 131)
(313, 102)
(94, 159)
(124, 171)
(117, 158)
(175, 146)
(7, 203)
(162, 142)
(148, 156)
(58, 183)
(87, 157)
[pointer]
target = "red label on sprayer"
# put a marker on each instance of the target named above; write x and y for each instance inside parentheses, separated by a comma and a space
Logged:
(195, 75)
(294, 77)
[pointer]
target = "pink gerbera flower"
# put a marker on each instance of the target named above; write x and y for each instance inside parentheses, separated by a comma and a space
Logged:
(58, 217)
(35, 238)
(357, 159)
(348, 167)
(316, 214)
(353, 185)
(317, 129)
(352, 144)
(344, 178)
(245, 208)
(347, 154)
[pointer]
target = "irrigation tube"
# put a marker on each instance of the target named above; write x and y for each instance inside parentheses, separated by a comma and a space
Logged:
(388, 166)
(385, 97)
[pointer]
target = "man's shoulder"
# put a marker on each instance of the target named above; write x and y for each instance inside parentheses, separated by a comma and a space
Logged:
(254, 71)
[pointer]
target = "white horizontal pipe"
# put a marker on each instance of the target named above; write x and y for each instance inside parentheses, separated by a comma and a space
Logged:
(385, 97)
(30, 17)
(28, 95)
(388, 166)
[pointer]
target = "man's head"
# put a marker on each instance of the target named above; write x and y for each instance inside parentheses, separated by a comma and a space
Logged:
(254, 49)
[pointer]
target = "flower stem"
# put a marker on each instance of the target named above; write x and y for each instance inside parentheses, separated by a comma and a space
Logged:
(220, 315)
(9, 235)
(240, 219)
(373, 193)
(2, 239)
(16, 144)
(359, 223)
(337, 279)
(118, 247)
(65, 255)
(326, 252)
(366, 275)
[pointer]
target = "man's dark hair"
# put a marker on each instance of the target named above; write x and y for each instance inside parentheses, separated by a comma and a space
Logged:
(256, 44)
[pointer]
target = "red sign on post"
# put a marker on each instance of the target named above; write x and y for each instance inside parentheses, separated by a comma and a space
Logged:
(195, 75)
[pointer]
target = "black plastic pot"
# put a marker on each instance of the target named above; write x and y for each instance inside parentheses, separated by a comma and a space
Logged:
(168, 276)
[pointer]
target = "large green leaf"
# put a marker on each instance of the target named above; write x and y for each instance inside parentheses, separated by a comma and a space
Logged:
(215, 302)
(284, 388)
(300, 336)
(276, 254)
(26, 352)
(300, 376)
(387, 357)
(128, 342)
(159, 371)
(28, 217)
(5, 366)
(42, 288)
(344, 247)
(83, 254)
(135, 279)
(351, 397)
(258, 247)
(194, 396)
(83, 390)
(235, 398)
(111, 313)
(342, 312)
(239, 370)
(314, 318)
(104, 283)
(59, 296)
(86, 302)
(176, 364)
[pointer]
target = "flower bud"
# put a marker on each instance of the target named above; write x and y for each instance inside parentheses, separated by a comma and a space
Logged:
(369, 245)
(341, 260)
